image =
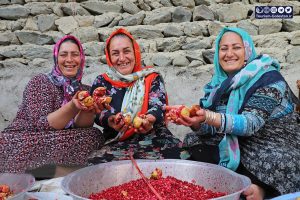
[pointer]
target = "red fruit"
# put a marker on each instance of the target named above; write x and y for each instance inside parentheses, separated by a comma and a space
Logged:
(119, 117)
(137, 122)
(194, 109)
(127, 119)
(107, 99)
(124, 193)
(85, 98)
(82, 95)
(176, 113)
(184, 111)
(5, 188)
(156, 174)
(99, 91)
(88, 101)
(101, 99)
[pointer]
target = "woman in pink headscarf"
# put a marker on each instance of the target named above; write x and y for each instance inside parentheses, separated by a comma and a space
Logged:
(44, 131)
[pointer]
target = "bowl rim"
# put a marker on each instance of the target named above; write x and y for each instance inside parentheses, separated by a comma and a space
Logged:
(120, 162)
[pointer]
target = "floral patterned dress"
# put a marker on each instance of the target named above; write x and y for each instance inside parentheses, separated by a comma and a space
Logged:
(274, 145)
(158, 144)
(29, 142)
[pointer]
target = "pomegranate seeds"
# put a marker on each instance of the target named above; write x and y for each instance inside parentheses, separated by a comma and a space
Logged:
(168, 188)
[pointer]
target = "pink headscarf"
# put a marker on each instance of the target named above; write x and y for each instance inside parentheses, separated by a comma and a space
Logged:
(70, 85)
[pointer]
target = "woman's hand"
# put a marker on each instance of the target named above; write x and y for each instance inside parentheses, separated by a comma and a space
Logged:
(147, 123)
(94, 108)
(117, 122)
(186, 120)
(74, 109)
(254, 192)
(76, 102)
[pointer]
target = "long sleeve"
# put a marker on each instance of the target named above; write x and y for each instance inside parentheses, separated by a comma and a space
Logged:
(117, 97)
(40, 98)
(265, 104)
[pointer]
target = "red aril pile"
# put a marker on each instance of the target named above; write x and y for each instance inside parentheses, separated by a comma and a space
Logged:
(168, 188)
(5, 192)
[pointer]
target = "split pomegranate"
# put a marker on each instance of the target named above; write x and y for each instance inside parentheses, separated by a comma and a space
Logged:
(168, 188)
(100, 97)
(85, 98)
(176, 113)
(5, 192)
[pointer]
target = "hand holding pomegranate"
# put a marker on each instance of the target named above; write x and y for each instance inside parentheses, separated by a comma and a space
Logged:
(183, 115)
(144, 123)
(120, 122)
(83, 101)
(101, 99)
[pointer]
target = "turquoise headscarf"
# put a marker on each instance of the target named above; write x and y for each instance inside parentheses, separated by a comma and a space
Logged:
(255, 66)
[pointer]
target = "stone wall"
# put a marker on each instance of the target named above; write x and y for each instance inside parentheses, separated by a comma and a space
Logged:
(176, 36)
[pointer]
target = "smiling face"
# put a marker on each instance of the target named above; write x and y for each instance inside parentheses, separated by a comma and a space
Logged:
(121, 54)
(231, 52)
(69, 59)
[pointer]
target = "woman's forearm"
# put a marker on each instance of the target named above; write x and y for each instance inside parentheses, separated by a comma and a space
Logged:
(84, 119)
(211, 119)
(61, 117)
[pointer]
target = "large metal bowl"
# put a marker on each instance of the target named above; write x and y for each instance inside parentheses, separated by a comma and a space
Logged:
(18, 183)
(81, 183)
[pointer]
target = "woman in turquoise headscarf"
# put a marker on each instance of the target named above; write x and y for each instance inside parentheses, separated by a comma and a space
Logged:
(247, 121)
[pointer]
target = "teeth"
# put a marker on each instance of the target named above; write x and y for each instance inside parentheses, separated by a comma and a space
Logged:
(231, 61)
(123, 65)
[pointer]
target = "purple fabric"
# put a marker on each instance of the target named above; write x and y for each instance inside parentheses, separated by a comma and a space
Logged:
(70, 86)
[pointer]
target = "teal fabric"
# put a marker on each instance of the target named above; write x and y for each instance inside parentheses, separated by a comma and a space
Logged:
(241, 82)
(219, 74)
